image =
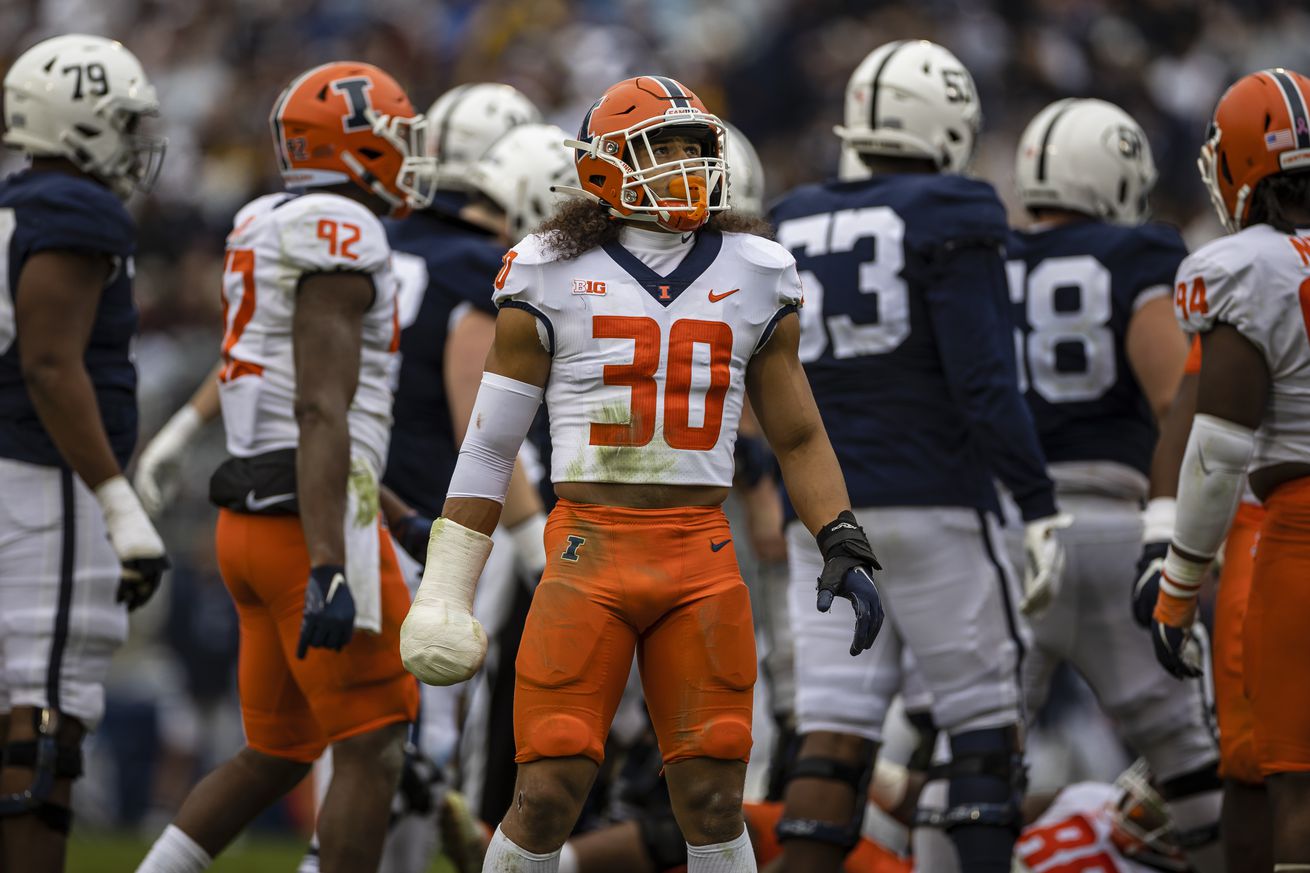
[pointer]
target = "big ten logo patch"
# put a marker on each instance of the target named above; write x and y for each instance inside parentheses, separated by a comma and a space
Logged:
(588, 286)
(575, 543)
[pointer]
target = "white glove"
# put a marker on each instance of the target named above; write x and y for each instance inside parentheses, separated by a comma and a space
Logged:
(161, 459)
(1044, 556)
(135, 541)
(441, 642)
(529, 539)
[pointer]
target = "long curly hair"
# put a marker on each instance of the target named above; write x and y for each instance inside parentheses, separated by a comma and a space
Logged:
(579, 226)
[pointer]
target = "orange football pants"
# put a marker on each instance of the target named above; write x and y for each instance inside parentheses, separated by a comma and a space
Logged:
(294, 708)
(1277, 645)
(1236, 728)
(663, 583)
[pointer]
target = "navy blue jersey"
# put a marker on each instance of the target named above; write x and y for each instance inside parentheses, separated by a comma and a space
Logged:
(44, 211)
(1075, 288)
(444, 265)
(906, 340)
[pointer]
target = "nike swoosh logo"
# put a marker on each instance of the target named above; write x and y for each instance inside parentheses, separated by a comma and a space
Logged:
(715, 298)
(337, 581)
(714, 547)
(260, 504)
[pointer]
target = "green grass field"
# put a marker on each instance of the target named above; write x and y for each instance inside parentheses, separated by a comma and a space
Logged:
(92, 852)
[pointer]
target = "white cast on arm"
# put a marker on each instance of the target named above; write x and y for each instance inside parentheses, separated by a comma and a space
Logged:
(160, 461)
(441, 642)
(1209, 489)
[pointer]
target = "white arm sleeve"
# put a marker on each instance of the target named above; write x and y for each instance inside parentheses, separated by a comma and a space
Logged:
(500, 420)
(1209, 488)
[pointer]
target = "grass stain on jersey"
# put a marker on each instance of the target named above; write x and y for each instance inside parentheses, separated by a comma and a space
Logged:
(646, 464)
(364, 485)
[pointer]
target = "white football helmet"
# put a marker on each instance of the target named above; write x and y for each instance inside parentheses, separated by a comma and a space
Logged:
(1087, 156)
(912, 99)
(81, 97)
(466, 120)
(745, 172)
(519, 171)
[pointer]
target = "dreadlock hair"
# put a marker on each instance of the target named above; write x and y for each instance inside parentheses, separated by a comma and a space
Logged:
(1275, 195)
(579, 226)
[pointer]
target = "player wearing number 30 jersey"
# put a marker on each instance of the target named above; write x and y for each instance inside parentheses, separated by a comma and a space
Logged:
(645, 316)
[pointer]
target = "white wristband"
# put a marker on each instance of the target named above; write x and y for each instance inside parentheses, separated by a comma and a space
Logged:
(1181, 577)
(1158, 520)
(130, 531)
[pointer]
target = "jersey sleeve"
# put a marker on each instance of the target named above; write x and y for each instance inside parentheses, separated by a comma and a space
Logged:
(1154, 263)
(77, 215)
(777, 266)
(959, 212)
(518, 285)
(323, 233)
(1211, 288)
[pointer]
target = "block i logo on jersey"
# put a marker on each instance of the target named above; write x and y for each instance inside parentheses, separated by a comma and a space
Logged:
(588, 286)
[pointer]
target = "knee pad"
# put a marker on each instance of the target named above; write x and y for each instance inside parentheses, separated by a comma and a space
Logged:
(727, 738)
(562, 736)
(49, 760)
(662, 838)
(844, 836)
(986, 782)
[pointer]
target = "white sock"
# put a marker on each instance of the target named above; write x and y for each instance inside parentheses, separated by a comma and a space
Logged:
(503, 856)
(175, 852)
(568, 859)
(733, 857)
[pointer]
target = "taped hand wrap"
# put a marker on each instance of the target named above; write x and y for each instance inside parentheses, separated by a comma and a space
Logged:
(441, 642)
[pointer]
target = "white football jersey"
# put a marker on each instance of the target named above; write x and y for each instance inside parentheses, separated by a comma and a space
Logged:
(276, 241)
(648, 372)
(1258, 280)
(1073, 835)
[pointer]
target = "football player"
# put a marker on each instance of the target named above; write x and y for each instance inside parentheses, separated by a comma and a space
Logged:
(643, 317)
(905, 342)
(1101, 358)
(1244, 824)
(311, 332)
(1241, 293)
(77, 551)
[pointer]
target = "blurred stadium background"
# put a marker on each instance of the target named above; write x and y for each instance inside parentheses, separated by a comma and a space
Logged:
(775, 68)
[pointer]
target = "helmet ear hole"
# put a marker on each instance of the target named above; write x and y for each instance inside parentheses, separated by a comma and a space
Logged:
(371, 154)
(86, 131)
(1223, 167)
(597, 180)
(1123, 191)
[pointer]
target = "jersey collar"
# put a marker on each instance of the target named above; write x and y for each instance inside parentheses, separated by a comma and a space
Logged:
(665, 289)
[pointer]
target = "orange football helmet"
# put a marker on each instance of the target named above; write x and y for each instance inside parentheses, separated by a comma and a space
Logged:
(632, 115)
(1261, 127)
(350, 122)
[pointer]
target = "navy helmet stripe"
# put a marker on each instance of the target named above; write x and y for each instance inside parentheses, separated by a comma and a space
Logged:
(674, 91)
(873, 100)
(1296, 108)
(1046, 140)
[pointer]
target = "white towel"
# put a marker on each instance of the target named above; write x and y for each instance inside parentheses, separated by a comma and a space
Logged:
(363, 559)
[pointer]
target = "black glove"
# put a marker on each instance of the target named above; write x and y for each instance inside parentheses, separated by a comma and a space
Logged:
(848, 565)
(412, 533)
(140, 580)
(1147, 585)
(329, 616)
